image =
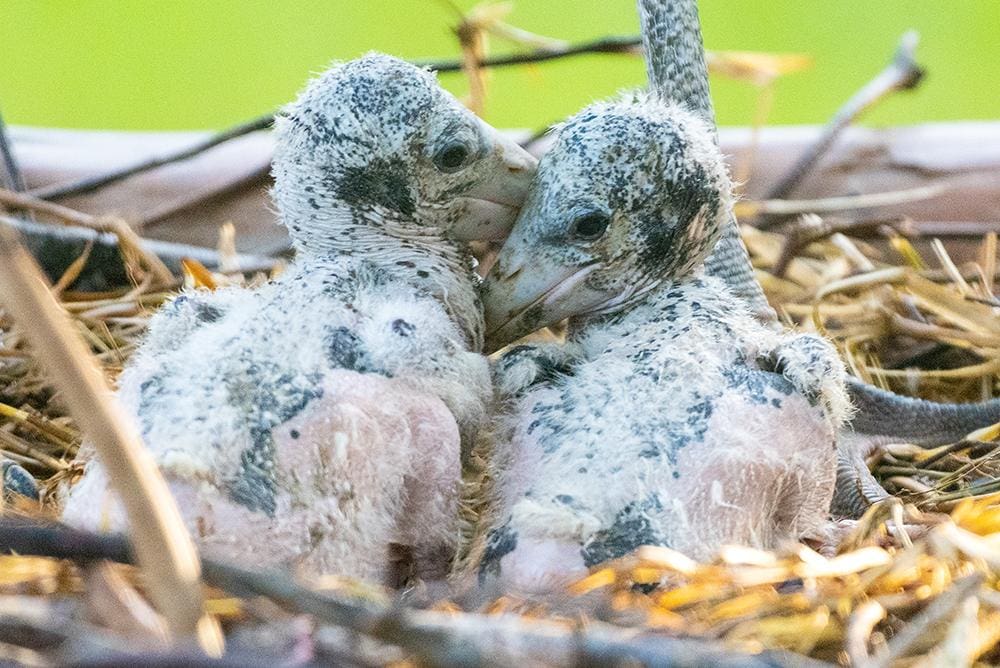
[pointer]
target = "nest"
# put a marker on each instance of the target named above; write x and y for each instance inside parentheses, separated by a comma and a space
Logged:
(914, 582)
(916, 577)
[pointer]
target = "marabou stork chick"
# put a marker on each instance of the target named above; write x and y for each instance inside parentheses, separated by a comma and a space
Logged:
(663, 420)
(318, 420)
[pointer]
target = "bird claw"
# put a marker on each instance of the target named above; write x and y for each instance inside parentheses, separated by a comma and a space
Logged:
(17, 481)
(811, 364)
(523, 367)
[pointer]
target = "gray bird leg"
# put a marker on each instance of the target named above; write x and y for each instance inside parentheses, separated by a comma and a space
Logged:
(883, 417)
(675, 64)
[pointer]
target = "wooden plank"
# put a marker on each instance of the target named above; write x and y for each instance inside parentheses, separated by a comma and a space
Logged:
(965, 156)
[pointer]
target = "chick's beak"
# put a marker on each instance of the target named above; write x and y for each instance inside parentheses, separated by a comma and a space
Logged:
(490, 207)
(521, 295)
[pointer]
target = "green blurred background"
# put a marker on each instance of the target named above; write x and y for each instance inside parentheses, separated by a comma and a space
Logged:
(132, 64)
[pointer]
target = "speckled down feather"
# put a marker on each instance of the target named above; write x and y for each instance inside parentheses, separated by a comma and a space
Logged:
(306, 420)
(672, 416)
(319, 419)
(665, 430)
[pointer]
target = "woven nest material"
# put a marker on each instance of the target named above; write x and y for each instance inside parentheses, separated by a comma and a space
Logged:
(913, 583)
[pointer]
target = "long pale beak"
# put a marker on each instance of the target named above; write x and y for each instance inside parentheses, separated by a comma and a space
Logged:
(488, 210)
(522, 295)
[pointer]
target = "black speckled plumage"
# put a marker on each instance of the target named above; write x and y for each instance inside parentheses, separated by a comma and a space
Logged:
(318, 418)
(670, 390)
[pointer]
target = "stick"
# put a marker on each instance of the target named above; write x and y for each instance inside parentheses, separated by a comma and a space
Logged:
(808, 230)
(127, 237)
(92, 183)
(903, 73)
(631, 45)
(163, 546)
(840, 203)
(204, 196)
(72, 241)
(11, 174)
(440, 639)
(627, 45)
(937, 612)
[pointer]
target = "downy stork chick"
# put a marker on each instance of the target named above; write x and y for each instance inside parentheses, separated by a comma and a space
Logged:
(317, 420)
(662, 420)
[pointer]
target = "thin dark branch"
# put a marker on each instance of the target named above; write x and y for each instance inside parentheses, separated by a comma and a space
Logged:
(798, 236)
(92, 183)
(11, 174)
(205, 196)
(903, 73)
(438, 639)
(627, 44)
(630, 44)
(57, 247)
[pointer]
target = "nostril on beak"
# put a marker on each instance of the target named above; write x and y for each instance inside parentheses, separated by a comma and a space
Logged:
(515, 169)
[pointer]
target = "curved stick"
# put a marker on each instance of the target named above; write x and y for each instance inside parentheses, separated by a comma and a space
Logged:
(903, 73)
(92, 183)
(11, 174)
(627, 45)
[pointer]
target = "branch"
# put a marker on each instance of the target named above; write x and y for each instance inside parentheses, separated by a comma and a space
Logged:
(440, 639)
(127, 237)
(792, 207)
(11, 174)
(92, 183)
(620, 45)
(205, 196)
(629, 45)
(57, 247)
(810, 230)
(903, 73)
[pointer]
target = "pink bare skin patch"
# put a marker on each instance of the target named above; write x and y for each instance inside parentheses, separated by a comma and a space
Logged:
(541, 566)
(370, 463)
(764, 475)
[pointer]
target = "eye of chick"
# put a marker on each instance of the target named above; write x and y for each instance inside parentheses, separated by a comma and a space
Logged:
(590, 226)
(451, 157)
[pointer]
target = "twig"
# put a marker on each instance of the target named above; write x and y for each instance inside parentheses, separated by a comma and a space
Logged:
(631, 45)
(22, 447)
(839, 203)
(205, 196)
(76, 239)
(859, 630)
(130, 241)
(810, 230)
(947, 450)
(440, 639)
(949, 335)
(164, 548)
(903, 73)
(610, 45)
(11, 174)
(936, 613)
(92, 183)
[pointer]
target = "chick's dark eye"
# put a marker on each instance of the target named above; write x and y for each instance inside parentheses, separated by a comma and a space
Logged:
(590, 226)
(451, 157)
